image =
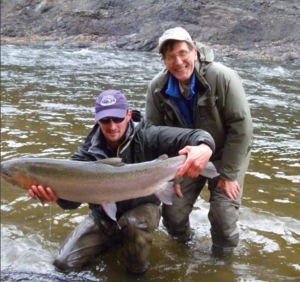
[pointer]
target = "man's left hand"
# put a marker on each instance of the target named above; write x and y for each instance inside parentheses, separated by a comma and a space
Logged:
(230, 188)
(177, 190)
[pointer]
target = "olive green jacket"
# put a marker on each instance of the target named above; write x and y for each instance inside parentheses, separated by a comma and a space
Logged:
(221, 108)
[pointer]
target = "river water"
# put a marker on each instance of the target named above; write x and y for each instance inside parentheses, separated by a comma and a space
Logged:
(47, 106)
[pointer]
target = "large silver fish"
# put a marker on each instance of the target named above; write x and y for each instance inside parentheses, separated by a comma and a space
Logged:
(101, 182)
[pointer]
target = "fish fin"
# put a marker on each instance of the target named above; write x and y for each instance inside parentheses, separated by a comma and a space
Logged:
(112, 161)
(165, 194)
(210, 171)
(111, 210)
(162, 157)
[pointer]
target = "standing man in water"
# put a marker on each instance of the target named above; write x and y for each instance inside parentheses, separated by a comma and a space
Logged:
(116, 134)
(193, 91)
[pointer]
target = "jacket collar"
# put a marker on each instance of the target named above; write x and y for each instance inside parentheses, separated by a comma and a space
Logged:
(174, 90)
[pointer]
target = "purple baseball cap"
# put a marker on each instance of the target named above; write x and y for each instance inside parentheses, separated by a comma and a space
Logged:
(111, 103)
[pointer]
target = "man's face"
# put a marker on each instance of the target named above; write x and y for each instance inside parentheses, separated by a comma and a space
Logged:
(180, 61)
(113, 132)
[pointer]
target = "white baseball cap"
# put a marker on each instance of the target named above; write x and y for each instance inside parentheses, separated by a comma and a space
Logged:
(177, 33)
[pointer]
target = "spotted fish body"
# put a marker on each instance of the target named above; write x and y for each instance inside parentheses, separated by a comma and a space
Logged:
(100, 182)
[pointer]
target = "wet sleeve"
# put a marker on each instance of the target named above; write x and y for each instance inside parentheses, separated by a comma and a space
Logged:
(169, 140)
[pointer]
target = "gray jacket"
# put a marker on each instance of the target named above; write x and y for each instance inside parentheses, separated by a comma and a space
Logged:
(221, 108)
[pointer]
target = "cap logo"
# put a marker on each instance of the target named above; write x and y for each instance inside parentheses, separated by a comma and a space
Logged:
(108, 101)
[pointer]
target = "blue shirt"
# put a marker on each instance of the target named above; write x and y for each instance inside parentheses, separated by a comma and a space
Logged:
(186, 106)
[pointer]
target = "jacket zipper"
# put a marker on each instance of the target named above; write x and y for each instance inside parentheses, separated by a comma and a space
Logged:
(174, 111)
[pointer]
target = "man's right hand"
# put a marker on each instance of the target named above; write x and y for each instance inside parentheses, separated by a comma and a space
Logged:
(197, 159)
(46, 194)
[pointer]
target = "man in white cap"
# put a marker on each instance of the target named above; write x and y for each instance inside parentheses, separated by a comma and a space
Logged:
(193, 91)
(120, 132)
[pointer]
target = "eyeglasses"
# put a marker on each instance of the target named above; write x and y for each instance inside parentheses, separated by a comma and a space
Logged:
(114, 119)
(183, 55)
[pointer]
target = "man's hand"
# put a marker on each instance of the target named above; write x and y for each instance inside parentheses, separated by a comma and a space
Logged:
(177, 190)
(230, 188)
(197, 159)
(46, 195)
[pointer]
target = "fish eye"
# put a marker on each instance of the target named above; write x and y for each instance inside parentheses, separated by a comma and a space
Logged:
(6, 173)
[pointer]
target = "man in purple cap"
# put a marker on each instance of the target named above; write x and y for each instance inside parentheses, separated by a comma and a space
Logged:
(120, 132)
(194, 91)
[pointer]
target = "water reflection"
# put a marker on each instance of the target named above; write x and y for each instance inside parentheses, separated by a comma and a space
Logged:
(47, 104)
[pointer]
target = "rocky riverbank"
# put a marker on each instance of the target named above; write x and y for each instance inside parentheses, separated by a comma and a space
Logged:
(265, 29)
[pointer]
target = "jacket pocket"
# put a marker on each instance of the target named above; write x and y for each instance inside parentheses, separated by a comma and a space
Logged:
(207, 110)
(209, 118)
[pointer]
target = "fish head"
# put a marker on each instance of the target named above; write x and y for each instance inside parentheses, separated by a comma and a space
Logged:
(12, 173)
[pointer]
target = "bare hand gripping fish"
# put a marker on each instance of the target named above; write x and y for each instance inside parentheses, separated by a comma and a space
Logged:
(101, 182)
